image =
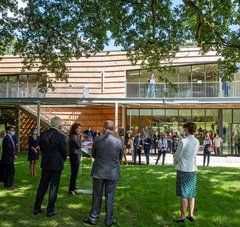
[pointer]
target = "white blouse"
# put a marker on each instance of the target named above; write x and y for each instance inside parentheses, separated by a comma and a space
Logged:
(185, 156)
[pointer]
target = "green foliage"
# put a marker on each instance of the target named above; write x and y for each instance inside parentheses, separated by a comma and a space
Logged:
(145, 196)
(48, 33)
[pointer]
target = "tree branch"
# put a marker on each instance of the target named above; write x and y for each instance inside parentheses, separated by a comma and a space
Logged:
(190, 4)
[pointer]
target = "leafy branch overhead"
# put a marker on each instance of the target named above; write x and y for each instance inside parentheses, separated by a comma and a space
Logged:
(48, 33)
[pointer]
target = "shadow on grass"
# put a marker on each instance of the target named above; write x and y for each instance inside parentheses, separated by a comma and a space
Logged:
(145, 197)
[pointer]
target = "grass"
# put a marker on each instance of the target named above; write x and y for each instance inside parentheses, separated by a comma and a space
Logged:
(145, 197)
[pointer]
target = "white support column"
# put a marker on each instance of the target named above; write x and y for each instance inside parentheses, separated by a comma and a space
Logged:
(123, 117)
(116, 117)
(38, 118)
(19, 124)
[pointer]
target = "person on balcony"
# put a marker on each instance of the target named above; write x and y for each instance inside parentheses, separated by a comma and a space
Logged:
(151, 86)
(75, 154)
(33, 151)
(227, 88)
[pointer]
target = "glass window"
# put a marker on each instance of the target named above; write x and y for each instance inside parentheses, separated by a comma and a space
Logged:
(236, 116)
(212, 120)
(145, 112)
(211, 72)
(157, 112)
(133, 120)
(185, 74)
(184, 116)
(171, 120)
(133, 76)
(198, 72)
(227, 119)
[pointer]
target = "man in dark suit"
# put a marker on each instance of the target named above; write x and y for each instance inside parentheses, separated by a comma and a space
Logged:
(137, 144)
(53, 145)
(9, 149)
(107, 151)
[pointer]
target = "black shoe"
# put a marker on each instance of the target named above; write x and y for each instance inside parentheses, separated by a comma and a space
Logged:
(37, 211)
(50, 214)
(114, 222)
(190, 218)
(89, 221)
(179, 220)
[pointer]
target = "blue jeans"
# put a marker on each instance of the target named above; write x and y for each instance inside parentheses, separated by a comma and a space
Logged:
(151, 90)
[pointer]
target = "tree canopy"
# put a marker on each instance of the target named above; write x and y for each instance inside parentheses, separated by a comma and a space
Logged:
(54, 31)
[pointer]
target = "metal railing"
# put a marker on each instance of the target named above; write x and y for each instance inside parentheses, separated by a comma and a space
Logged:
(20, 90)
(185, 90)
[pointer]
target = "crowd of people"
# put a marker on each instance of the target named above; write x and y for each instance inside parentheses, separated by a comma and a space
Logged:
(161, 143)
(108, 150)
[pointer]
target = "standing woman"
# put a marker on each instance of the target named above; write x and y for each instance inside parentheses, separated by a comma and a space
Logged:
(33, 151)
(186, 166)
(75, 154)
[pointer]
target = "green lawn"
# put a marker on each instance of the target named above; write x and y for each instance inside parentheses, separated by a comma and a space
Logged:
(145, 197)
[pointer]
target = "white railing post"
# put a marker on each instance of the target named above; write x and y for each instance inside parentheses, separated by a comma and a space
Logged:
(7, 90)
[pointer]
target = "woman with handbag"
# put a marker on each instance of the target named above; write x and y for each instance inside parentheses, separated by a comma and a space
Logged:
(208, 148)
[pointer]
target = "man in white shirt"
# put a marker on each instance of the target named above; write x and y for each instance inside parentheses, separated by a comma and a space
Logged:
(217, 144)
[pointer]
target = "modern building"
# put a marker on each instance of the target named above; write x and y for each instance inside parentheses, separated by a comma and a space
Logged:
(108, 86)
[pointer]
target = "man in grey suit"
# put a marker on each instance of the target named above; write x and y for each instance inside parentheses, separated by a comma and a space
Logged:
(107, 152)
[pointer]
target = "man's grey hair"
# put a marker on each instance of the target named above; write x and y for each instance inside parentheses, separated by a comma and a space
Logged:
(56, 122)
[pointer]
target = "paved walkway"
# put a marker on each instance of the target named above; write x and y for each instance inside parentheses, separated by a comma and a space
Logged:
(226, 161)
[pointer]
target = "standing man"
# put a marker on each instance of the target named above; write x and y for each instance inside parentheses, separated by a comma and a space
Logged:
(9, 150)
(147, 147)
(53, 145)
(137, 144)
(107, 152)
(217, 144)
(162, 148)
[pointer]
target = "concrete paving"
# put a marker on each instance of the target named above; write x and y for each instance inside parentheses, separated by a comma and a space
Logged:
(224, 161)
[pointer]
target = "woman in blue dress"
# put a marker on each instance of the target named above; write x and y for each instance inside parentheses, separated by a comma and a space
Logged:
(33, 151)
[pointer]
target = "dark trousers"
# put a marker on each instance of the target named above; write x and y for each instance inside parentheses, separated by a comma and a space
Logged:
(137, 152)
(147, 153)
(206, 154)
(75, 160)
(163, 153)
(9, 171)
(110, 188)
(51, 177)
(155, 147)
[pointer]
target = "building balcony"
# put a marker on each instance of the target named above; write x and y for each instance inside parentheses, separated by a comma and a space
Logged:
(133, 90)
(184, 90)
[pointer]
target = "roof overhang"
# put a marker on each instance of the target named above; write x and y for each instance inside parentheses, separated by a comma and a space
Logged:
(140, 102)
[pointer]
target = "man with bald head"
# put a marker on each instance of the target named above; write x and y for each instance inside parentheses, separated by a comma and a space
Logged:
(107, 152)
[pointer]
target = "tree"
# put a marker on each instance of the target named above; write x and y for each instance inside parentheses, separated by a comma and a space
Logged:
(51, 32)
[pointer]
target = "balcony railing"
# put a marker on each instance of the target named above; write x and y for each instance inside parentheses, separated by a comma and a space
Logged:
(134, 90)
(185, 90)
(20, 90)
